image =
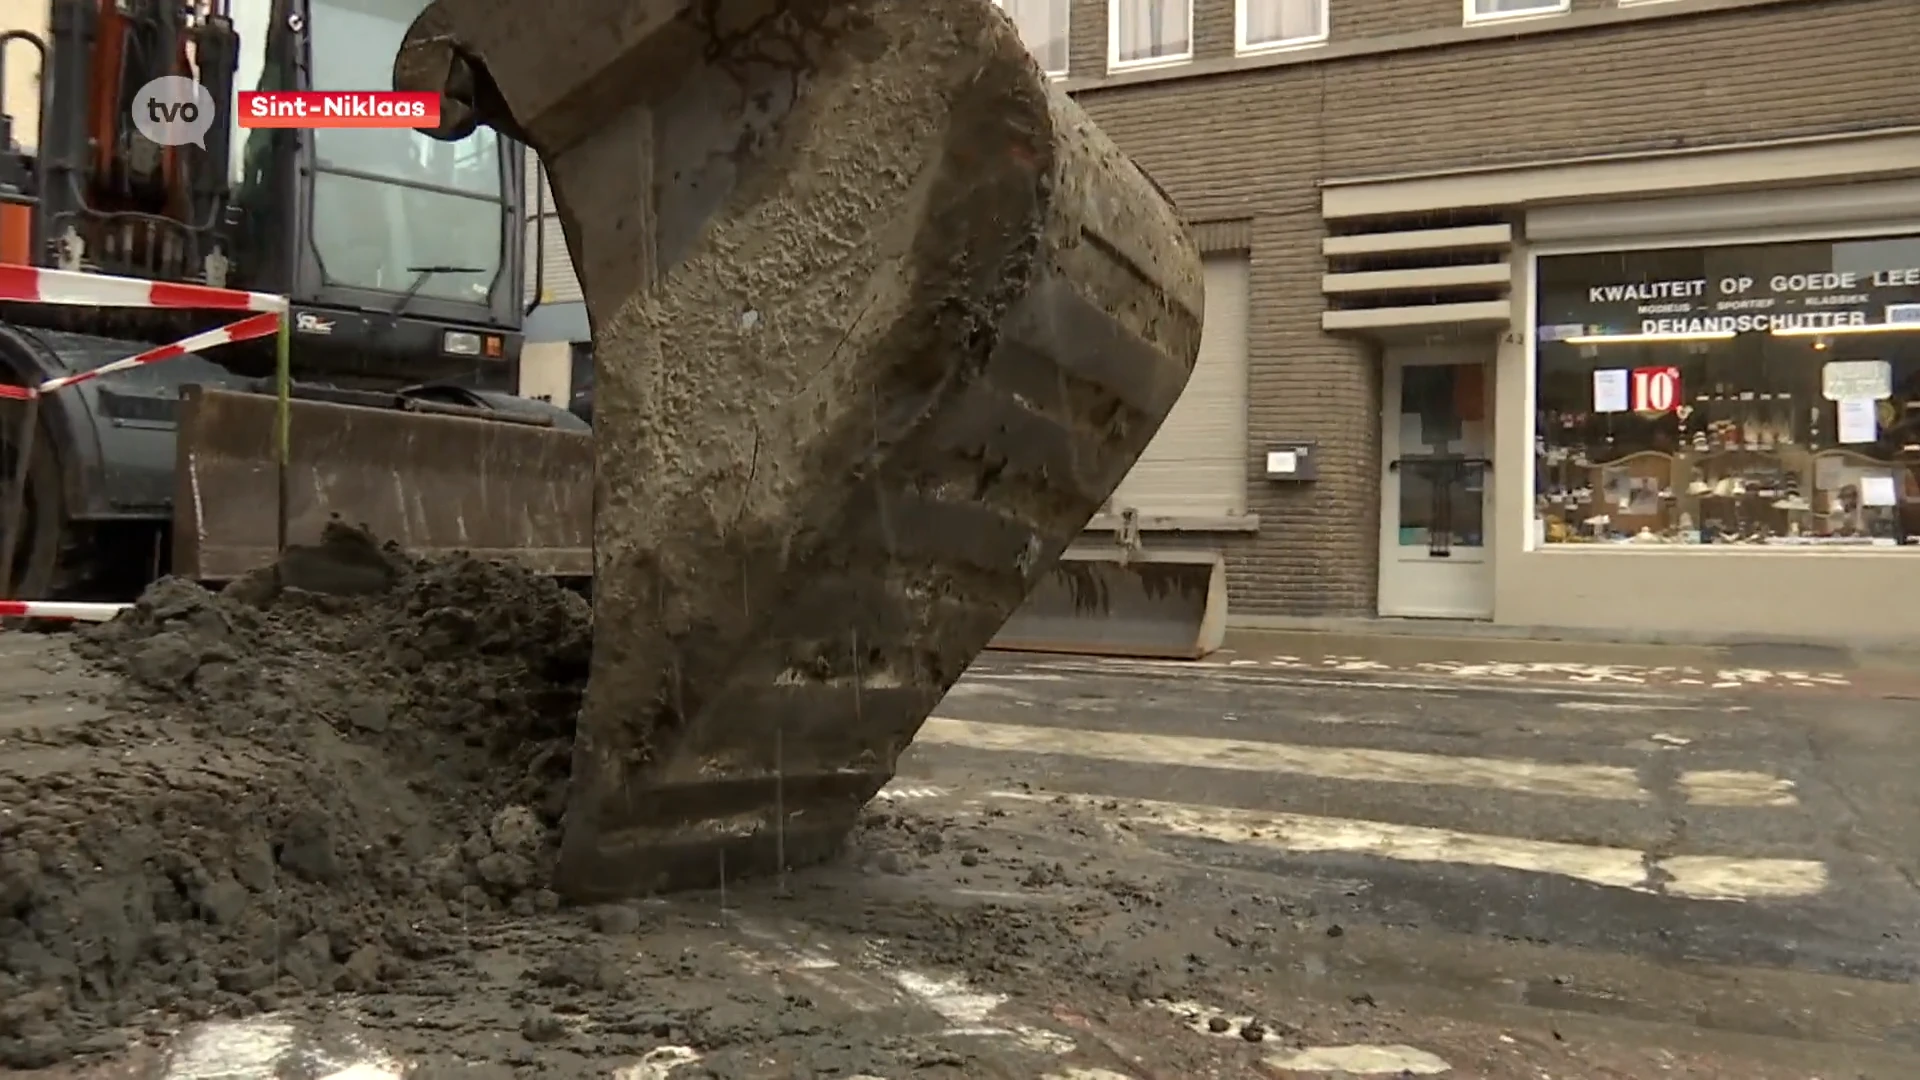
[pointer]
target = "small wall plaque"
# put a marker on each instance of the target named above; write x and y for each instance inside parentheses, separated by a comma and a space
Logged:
(1293, 461)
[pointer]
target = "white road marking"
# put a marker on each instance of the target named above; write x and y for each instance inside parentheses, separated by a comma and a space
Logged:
(1727, 787)
(1314, 675)
(232, 1050)
(1719, 788)
(1361, 1061)
(1724, 878)
(902, 792)
(955, 1001)
(1345, 1060)
(367, 1071)
(658, 1064)
(1498, 671)
(874, 983)
(972, 1012)
(1199, 1017)
(1332, 763)
(264, 1047)
(1624, 706)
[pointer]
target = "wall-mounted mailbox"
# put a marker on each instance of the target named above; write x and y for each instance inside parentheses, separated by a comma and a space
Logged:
(1293, 461)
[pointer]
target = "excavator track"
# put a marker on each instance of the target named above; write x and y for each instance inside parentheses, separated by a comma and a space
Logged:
(880, 320)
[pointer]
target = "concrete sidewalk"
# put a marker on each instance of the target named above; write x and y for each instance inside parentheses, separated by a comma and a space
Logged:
(1406, 649)
(1405, 642)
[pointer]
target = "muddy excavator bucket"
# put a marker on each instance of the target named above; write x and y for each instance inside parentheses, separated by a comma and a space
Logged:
(879, 320)
(1164, 604)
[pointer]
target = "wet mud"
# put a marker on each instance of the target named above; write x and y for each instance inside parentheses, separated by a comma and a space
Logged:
(343, 779)
(302, 784)
(307, 825)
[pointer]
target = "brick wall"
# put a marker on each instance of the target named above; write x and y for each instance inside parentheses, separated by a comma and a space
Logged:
(1254, 144)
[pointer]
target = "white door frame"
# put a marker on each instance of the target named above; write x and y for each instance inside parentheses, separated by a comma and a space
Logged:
(1412, 582)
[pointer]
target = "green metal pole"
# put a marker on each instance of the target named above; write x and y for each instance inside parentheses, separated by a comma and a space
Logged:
(283, 419)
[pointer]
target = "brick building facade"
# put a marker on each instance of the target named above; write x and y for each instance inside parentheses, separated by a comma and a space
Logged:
(1389, 183)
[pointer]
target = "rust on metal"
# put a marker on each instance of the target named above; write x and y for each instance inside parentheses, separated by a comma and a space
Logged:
(434, 483)
(1146, 604)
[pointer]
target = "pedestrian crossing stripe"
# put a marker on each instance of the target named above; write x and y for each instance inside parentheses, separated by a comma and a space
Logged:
(1716, 788)
(1694, 877)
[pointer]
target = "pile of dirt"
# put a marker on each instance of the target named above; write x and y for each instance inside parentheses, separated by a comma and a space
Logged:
(306, 783)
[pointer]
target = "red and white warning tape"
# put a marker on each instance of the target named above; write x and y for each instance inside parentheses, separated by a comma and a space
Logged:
(35, 285)
(57, 609)
(257, 326)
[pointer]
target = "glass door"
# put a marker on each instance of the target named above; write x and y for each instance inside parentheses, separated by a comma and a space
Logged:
(1435, 443)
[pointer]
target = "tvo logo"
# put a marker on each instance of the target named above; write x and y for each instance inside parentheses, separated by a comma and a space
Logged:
(174, 110)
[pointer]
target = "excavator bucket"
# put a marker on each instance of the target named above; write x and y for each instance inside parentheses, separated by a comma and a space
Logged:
(879, 320)
(1154, 603)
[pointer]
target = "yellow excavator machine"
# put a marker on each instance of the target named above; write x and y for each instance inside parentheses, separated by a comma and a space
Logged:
(880, 320)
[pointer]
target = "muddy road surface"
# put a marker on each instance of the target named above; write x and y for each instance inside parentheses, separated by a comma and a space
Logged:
(289, 834)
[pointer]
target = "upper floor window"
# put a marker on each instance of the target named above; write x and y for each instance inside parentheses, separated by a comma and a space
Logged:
(1491, 10)
(1280, 24)
(1043, 26)
(1148, 33)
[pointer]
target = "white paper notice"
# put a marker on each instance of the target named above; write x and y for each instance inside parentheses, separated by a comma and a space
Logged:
(1610, 390)
(1878, 491)
(1858, 423)
(1845, 379)
(1282, 462)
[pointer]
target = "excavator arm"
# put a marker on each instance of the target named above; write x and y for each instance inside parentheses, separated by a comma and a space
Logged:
(880, 319)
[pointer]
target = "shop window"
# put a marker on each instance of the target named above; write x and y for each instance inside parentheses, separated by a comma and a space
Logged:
(1491, 10)
(1148, 33)
(1734, 395)
(1043, 26)
(1271, 25)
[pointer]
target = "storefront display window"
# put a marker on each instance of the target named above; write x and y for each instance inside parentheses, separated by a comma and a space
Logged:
(1757, 394)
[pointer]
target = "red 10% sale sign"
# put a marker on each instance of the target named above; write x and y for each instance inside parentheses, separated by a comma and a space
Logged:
(1654, 389)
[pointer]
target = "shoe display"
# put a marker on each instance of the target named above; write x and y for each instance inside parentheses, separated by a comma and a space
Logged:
(1735, 465)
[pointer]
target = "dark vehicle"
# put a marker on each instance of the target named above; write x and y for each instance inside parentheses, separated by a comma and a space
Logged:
(401, 256)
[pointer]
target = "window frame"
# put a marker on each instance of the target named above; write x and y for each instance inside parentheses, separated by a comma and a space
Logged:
(1473, 17)
(1065, 71)
(1241, 47)
(1116, 65)
(1522, 514)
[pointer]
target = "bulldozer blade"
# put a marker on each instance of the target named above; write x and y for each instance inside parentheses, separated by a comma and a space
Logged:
(1169, 605)
(434, 484)
(880, 319)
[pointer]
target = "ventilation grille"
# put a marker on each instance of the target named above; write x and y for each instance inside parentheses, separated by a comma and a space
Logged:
(1421, 270)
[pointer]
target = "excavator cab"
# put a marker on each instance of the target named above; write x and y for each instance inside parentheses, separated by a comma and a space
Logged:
(398, 251)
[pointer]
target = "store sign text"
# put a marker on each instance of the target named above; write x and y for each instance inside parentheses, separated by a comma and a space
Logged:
(1641, 292)
(1655, 389)
(1741, 324)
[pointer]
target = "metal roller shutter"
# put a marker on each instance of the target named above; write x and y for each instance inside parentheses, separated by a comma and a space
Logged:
(1196, 465)
(556, 278)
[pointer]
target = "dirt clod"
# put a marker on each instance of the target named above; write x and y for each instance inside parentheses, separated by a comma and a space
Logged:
(321, 772)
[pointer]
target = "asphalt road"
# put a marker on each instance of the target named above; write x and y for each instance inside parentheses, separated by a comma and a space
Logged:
(1252, 868)
(1669, 865)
